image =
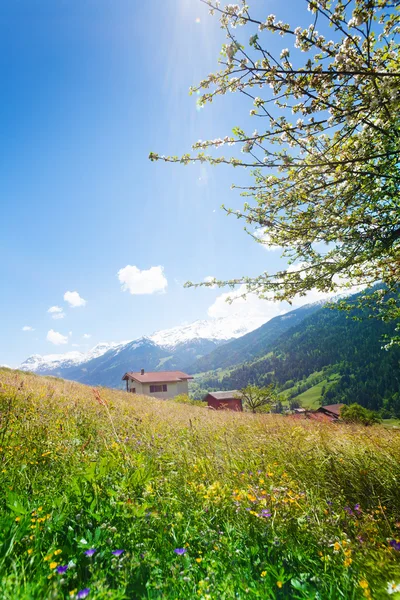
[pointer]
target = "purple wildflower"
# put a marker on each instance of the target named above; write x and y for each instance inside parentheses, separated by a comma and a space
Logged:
(329, 503)
(61, 570)
(357, 508)
(117, 552)
(90, 552)
(180, 551)
(395, 544)
(348, 510)
(83, 593)
(265, 513)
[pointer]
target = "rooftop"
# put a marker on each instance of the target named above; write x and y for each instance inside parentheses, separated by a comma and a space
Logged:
(157, 376)
(331, 408)
(232, 394)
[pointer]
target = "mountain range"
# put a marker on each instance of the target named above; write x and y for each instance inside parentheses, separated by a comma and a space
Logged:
(338, 354)
(170, 349)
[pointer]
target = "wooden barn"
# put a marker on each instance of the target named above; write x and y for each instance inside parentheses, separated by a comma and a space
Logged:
(332, 411)
(224, 400)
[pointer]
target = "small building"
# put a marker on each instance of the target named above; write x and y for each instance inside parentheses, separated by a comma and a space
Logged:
(224, 400)
(331, 410)
(159, 384)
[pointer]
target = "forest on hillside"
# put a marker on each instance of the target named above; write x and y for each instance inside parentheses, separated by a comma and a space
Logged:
(350, 345)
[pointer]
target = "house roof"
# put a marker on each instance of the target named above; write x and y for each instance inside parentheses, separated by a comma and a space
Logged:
(331, 408)
(231, 395)
(157, 376)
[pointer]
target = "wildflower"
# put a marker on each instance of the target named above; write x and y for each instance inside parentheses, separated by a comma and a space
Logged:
(90, 552)
(199, 559)
(347, 562)
(57, 552)
(180, 551)
(117, 552)
(336, 547)
(263, 574)
(393, 588)
(83, 593)
(30, 551)
(395, 544)
(61, 569)
(279, 584)
(363, 584)
(265, 513)
(52, 565)
(17, 519)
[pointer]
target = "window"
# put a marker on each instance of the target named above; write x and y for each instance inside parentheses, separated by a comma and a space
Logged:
(133, 390)
(158, 388)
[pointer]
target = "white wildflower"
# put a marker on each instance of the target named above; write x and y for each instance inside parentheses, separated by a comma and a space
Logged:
(393, 588)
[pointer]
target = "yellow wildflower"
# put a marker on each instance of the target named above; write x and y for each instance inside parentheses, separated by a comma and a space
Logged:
(199, 559)
(57, 552)
(364, 584)
(30, 551)
(336, 546)
(17, 519)
(347, 562)
(53, 565)
(263, 574)
(279, 584)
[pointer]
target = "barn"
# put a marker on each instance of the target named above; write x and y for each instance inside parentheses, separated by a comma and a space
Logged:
(224, 400)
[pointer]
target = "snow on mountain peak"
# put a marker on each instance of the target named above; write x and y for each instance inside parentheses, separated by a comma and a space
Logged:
(221, 328)
(38, 363)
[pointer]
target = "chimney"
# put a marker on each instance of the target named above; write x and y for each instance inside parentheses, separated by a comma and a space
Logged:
(142, 371)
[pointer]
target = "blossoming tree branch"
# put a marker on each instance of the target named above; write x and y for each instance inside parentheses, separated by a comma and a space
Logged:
(324, 155)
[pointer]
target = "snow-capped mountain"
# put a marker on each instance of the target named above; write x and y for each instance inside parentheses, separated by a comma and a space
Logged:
(169, 349)
(41, 364)
(222, 329)
(216, 330)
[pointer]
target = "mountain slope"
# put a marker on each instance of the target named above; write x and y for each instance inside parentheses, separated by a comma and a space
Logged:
(329, 339)
(253, 344)
(170, 349)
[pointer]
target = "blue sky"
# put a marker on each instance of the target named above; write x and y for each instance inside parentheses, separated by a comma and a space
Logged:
(89, 87)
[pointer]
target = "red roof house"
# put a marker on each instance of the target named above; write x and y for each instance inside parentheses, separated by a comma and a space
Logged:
(160, 384)
(224, 400)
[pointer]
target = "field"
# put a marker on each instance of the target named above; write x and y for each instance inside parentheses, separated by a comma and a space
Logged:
(105, 495)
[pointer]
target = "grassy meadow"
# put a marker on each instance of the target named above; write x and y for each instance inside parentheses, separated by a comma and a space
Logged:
(109, 495)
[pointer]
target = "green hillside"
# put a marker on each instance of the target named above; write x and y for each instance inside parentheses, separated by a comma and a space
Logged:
(330, 341)
(253, 344)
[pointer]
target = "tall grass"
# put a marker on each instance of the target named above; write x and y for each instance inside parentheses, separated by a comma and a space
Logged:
(207, 505)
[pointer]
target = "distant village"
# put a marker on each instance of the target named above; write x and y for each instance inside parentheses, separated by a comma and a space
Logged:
(167, 385)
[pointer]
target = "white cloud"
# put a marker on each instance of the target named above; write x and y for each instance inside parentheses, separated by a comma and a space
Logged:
(27, 328)
(56, 338)
(208, 279)
(257, 310)
(148, 281)
(56, 312)
(251, 307)
(265, 240)
(74, 299)
(87, 336)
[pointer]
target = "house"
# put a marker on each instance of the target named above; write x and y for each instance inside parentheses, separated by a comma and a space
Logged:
(224, 400)
(159, 384)
(332, 411)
